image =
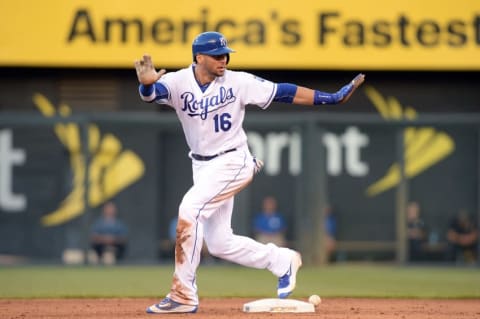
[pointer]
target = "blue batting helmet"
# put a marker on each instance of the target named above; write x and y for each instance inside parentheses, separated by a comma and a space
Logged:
(210, 43)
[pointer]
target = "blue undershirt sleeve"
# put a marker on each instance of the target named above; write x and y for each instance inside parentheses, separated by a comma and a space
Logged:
(285, 92)
(159, 89)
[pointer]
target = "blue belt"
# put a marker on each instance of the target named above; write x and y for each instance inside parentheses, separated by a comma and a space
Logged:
(209, 157)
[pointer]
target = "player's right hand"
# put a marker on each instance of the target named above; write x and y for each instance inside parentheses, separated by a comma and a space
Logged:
(146, 72)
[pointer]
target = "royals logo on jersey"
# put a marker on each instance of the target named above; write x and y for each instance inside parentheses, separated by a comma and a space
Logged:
(201, 106)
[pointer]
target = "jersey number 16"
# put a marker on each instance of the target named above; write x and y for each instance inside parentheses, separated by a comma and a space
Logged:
(222, 122)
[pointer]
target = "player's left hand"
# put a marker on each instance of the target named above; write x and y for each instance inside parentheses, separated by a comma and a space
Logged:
(348, 89)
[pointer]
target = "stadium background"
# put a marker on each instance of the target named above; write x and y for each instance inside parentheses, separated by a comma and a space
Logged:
(419, 59)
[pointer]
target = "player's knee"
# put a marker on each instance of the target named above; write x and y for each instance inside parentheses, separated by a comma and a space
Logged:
(217, 247)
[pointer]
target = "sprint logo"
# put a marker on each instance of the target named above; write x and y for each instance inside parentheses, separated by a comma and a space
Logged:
(111, 169)
(424, 146)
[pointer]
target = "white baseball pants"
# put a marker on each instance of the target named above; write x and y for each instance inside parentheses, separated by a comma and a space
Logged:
(205, 213)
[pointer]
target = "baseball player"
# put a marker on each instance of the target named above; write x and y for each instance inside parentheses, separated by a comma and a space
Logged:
(210, 103)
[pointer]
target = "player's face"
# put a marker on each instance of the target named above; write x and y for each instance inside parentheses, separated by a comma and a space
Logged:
(216, 64)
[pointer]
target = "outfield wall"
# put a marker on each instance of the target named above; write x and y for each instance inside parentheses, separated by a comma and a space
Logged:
(140, 161)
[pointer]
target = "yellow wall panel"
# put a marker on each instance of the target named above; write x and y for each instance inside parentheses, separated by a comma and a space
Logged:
(271, 34)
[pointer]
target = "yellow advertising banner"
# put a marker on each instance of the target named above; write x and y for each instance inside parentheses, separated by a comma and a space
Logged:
(270, 34)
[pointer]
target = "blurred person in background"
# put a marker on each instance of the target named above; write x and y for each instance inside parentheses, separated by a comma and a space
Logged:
(108, 237)
(330, 233)
(462, 237)
(269, 225)
(416, 232)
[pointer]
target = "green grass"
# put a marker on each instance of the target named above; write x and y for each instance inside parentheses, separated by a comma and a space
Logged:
(234, 281)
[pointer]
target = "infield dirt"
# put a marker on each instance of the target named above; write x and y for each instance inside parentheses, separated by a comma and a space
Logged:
(330, 308)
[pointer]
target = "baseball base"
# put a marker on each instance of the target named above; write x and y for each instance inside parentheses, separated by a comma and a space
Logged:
(278, 305)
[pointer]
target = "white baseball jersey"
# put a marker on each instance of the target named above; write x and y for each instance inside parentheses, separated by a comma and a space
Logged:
(212, 120)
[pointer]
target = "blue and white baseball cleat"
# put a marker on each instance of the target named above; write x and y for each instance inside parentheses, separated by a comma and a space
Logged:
(286, 283)
(167, 305)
